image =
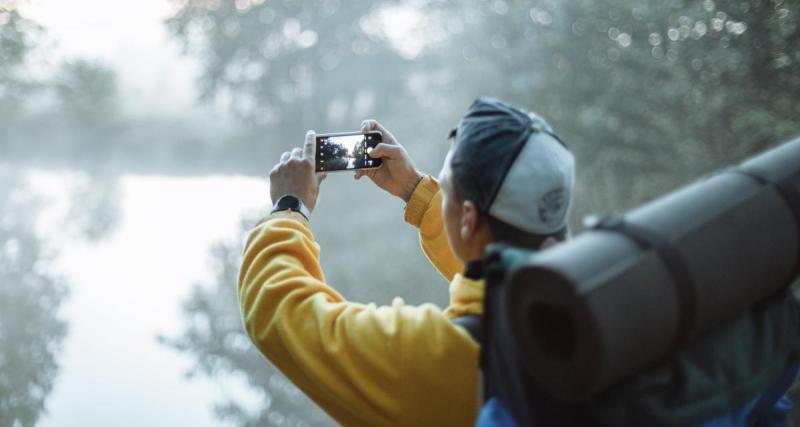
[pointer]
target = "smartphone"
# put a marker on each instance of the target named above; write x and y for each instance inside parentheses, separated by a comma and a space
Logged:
(346, 151)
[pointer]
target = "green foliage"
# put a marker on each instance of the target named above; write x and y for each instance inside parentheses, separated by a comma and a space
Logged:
(18, 38)
(94, 207)
(31, 330)
(215, 337)
(79, 102)
(666, 89)
(87, 93)
(280, 61)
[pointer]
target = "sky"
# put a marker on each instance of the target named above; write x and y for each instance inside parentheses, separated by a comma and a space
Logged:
(128, 36)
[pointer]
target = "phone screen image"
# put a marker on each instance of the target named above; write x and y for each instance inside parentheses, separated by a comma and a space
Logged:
(346, 151)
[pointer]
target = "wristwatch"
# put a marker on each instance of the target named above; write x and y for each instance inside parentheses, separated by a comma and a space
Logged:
(292, 203)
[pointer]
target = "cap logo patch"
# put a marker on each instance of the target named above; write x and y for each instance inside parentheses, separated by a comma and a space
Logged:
(551, 206)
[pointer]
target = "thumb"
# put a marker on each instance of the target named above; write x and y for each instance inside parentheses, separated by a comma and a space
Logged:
(310, 145)
(384, 150)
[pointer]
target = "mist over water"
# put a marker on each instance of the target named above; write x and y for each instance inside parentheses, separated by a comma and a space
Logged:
(135, 141)
(127, 288)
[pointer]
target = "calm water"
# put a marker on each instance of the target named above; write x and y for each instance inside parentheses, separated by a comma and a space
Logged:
(128, 288)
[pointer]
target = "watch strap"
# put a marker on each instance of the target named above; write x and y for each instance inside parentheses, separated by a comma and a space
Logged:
(292, 203)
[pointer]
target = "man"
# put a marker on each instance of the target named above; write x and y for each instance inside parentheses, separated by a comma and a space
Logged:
(506, 178)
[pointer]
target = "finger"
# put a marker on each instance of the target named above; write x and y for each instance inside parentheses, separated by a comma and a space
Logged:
(297, 153)
(371, 125)
(384, 150)
(371, 174)
(322, 176)
(285, 156)
(310, 146)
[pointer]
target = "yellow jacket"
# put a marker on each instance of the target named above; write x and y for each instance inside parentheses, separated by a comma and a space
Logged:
(363, 364)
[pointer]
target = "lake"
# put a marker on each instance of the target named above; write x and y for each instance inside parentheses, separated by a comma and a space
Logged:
(128, 288)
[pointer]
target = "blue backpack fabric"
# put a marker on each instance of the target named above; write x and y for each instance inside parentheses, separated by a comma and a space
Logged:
(736, 376)
(762, 410)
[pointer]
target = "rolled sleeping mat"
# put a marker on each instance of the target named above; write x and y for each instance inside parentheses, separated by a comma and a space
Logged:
(620, 297)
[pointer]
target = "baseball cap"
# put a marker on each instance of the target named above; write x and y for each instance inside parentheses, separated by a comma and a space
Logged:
(511, 164)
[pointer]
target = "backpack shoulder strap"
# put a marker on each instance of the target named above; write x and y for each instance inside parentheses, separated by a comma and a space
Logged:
(472, 324)
(670, 256)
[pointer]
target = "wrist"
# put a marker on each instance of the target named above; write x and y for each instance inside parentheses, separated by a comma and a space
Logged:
(412, 185)
(292, 203)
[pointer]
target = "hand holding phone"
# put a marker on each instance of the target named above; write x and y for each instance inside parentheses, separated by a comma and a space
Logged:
(397, 176)
(294, 175)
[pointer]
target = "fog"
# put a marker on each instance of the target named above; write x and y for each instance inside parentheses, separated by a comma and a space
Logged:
(135, 140)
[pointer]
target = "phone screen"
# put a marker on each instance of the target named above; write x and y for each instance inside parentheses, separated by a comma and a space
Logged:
(346, 151)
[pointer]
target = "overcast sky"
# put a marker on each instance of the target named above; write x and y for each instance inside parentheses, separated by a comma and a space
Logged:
(128, 36)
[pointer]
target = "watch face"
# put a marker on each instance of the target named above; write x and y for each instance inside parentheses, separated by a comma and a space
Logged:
(289, 202)
(293, 204)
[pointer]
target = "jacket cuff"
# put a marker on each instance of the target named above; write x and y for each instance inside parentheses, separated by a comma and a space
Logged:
(420, 199)
(290, 214)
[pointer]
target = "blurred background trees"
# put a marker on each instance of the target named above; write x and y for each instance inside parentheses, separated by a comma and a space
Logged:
(662, 91)
(648, 94)
(87, 93)
(31, 328)
(671, 88)
(215, 336)
(668, 84)
(18, 36)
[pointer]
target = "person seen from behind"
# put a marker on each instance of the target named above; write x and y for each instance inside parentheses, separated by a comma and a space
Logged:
(507, 178)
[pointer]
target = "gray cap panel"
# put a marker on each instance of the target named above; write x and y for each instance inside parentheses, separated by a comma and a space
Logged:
(536, 194)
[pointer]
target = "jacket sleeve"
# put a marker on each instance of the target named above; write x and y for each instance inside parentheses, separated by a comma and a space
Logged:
(363, 364)
(424, 211)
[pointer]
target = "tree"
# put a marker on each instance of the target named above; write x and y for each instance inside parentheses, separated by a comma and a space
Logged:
(18, 37)
(665, 90)
(95, 207)
(87, 93)
(215, 337)
(671, 89)
(278, 61)
(285, 67)
(31, 330)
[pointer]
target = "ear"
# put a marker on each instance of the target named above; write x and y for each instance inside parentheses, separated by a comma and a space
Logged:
(470, 218)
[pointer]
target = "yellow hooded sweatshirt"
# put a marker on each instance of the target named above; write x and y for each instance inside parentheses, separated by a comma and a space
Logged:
(365, 365)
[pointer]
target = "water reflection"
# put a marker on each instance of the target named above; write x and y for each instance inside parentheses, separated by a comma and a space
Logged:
(215, 338)
(31, 329)
(130, 248)
(95, 211)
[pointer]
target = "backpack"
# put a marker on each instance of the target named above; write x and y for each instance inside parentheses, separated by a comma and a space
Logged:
(735, 375)
(675, 314)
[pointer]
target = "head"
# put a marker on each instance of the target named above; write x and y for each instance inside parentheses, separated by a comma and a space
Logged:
(507, 178)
